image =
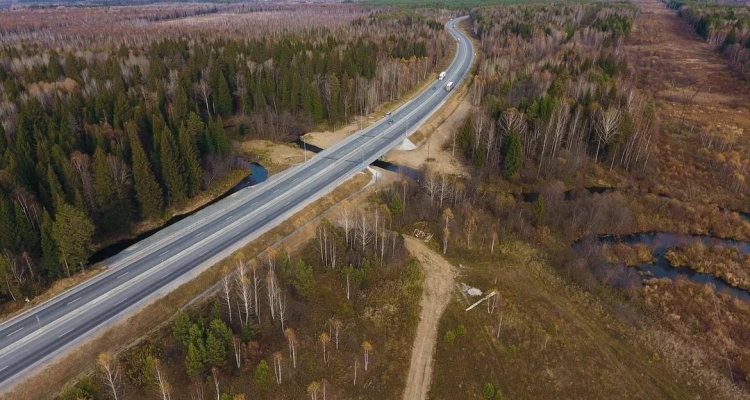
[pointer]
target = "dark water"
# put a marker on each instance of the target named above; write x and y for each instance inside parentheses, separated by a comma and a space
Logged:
(530, 197)
(660, 242)
(258, 174)
(399, 169)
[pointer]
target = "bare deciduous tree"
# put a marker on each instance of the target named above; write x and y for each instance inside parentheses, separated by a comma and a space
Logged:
(292, 339)
(226, 288)
(256, 283)
(271, 292)
(367, 347)
(345, 219)
(337, 326)
(282, 305)
(313, 389)
(110, 373)
(215, 377)
(161, 380)
(324, 340)
(277, 366)
(607, 123)
(244, 291)
(237, 347)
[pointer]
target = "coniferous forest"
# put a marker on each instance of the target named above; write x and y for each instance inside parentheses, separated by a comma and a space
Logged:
(111, 117)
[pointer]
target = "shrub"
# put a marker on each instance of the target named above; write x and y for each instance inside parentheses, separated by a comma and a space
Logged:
(249, 332)
(262, 375)
(449, 337)
(488, 390)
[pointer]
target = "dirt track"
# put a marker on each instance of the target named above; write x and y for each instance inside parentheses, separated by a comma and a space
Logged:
(438, 285)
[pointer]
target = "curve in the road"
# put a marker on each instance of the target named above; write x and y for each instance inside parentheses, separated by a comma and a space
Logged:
(150, 269)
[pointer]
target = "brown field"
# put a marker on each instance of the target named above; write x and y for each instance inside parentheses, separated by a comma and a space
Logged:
(554, 341)
(695, 91)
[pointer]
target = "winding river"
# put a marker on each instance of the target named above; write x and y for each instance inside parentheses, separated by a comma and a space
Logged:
(660, 242)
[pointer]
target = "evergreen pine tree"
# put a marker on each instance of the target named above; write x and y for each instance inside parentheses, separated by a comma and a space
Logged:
(512, 154)
(223, 97)
(114, 215)
(181, 328)
(121, 110)
(72, 232)
(334, 110)
(216, 353)
(262, 375)
(26, 231)
(50, 256)
(9, 238)
(171, 170)
(180, 108)
(259, 100)
(193, 361)
(3, 142)
(317, 105)
(221, 332)
(55, 188)
(306, 99)
(208, 144)
(147, 190)
(189, 153)
(220, 138)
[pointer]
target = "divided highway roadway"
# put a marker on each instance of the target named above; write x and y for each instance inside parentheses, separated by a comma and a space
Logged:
(152, 268)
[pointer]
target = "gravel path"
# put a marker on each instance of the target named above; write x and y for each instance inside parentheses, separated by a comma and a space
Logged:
(438, 285)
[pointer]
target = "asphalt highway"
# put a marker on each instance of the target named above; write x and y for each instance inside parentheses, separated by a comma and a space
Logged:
(152, 268)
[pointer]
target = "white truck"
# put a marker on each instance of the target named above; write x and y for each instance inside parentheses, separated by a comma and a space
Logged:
(442, 75)
(449, 86)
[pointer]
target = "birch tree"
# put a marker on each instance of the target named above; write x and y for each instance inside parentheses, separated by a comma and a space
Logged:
(324, 340)
(363, 231)
(110, 373)
(244, 292)
(444, 191)
(606, 127)
(356, 367)
(312, 389)
(161, 379)
(431, 185)
(277, 366)
(292, 339)
(345, 219)
(367, 348)
(337, 326)
(226, 288)
(271, 292)
(215, 377)
(237, 347)
(282, 305)
(256, 283)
